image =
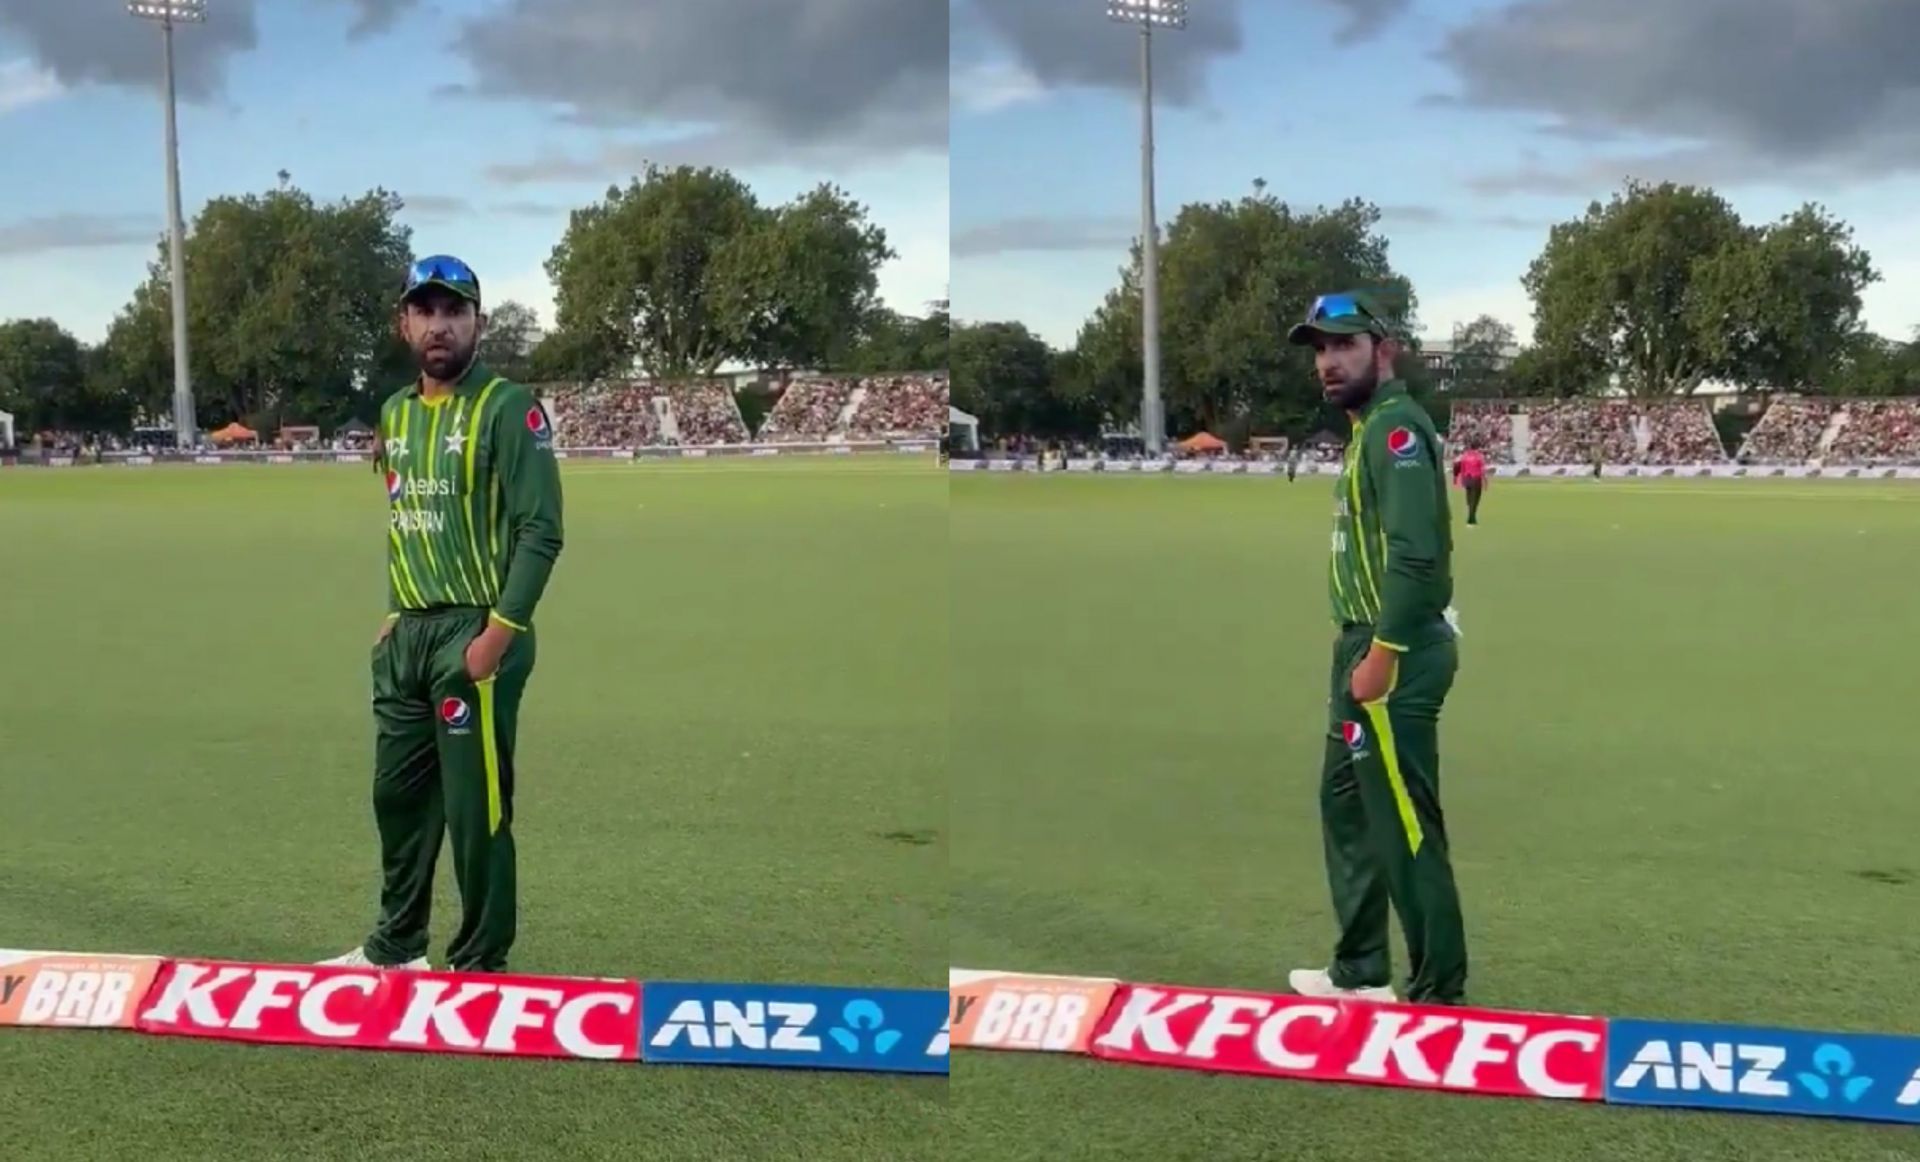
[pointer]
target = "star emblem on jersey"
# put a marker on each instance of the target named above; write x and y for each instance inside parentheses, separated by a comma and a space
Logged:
(1403, 443)
(456, 443)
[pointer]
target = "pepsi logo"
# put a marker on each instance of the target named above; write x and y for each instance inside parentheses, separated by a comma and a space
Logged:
(1403, 443)
(536, 420)
(1354, 734)
(455, 712)
(394, 487)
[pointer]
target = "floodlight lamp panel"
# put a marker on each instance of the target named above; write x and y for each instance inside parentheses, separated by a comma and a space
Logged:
(1150, 13)
(178, 11)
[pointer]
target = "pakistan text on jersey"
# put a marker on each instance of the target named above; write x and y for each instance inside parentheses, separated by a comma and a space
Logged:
(419, 522)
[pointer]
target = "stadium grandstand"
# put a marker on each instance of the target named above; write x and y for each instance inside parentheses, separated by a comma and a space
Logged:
(1792, 429)
(813, 410)
(1784, 430)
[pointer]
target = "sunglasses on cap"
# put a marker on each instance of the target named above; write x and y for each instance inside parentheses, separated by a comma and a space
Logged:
(1341, 306)
(443, 270)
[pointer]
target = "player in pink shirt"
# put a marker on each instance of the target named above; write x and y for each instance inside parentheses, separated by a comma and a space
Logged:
(1470, 473)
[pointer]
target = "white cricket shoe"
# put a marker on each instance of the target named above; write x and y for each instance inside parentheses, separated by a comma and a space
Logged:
(1314, 982)
(358, 959)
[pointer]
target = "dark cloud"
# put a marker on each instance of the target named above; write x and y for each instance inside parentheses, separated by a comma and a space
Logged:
(99, 42)
(373, 17)
(1796, 83)
(78, 231)
(1114, 233)
(441, 206)
(1056, 234)
(93, 43)
(529, 209)
(1365, 18)
(1883, 151)
(1075, 44)
(436, 206)
(1415, 215)
(1418, 216)
(836, 75)
(885, 134)
(1063, 42)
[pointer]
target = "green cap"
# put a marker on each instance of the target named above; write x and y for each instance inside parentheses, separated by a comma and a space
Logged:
(1346, 313)
(442, 270)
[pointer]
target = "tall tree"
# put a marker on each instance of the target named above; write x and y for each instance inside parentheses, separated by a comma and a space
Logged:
(1482, 350)
(290, 306)
(894, 342)
(43, 375)
(1874, 366)
(796, 286)
(1617, 287)
(1664, 286)
(637, 269)
(1234, 277)
(513, 331)
(1540, 372)
(573, 354)
(684, 270)
(1003, 376)
(1781, 310)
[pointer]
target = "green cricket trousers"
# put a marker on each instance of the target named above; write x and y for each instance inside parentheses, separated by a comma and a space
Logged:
(443, 764)
(1386, 839)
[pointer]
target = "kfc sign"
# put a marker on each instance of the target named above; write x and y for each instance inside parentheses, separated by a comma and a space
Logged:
(429, 1012)
(1468, 1050)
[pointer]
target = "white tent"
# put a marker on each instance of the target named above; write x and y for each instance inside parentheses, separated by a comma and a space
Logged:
(963, 429)
(6, 429)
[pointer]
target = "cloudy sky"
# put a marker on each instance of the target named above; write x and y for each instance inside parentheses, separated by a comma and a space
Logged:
(493, 117)
(1474, 124)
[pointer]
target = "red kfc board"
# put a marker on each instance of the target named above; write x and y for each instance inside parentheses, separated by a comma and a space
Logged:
(423, 1012)
(1422, 1047)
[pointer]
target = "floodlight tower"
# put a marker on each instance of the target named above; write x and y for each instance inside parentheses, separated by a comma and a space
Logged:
(170, 13)
(1149, 15)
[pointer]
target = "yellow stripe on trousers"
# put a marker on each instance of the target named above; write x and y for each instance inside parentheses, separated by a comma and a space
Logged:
(1390, 756)
(489, 754)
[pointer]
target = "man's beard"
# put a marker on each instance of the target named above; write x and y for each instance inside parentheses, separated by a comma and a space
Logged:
(1355, 392)
(445, 365)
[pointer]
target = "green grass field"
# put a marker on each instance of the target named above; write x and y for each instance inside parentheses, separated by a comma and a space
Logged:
(1678, 776)
(733, 766)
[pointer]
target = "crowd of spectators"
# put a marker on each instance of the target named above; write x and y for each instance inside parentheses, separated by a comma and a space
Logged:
(1878, 432)
(899, 407)
(1681, 431)
(807, 411)
(1581, 431)
(624, 414)
(1486, 424)
(707, 414)
(604, 415)
(1789, 431)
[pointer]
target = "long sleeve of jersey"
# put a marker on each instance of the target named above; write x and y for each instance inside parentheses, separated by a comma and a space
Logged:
(529, 478)
(1408, 480)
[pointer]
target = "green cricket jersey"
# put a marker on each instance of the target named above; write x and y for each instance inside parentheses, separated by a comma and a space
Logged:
(1392, 565)
(473, 490)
